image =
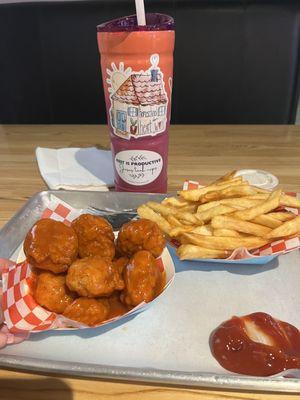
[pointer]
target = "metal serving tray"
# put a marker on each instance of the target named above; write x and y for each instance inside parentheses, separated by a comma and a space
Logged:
(168, 343)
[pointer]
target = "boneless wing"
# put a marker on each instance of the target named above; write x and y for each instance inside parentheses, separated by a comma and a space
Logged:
(88, 311)
(143, 279)
(51, 245)
(94, 277)
(141, 234)
(52, 293)
(95, 236)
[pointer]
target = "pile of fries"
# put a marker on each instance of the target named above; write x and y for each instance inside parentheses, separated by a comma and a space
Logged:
(214, 220)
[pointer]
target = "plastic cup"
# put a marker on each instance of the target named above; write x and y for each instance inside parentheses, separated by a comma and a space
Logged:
(137, 73)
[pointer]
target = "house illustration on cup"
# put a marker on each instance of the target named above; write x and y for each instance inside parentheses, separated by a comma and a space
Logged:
(139, 105)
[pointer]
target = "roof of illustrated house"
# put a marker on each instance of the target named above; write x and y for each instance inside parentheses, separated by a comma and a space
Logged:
(139, 89)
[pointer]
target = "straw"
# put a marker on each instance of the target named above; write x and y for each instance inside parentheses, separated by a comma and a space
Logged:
(140, 12)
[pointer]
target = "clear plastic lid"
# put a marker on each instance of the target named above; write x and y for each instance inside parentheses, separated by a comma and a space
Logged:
(259, 178)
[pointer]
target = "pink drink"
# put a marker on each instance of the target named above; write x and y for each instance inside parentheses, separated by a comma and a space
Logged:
(137, 73)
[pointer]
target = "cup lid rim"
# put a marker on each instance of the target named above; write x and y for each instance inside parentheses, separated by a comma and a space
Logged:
(159, 22)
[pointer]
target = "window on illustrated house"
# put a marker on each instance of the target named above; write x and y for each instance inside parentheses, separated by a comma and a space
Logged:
(161, 111)
(132, 111)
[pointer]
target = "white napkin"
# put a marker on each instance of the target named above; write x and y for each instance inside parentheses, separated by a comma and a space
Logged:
(76, 168)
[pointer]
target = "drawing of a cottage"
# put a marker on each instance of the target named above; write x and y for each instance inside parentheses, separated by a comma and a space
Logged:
(139, 105)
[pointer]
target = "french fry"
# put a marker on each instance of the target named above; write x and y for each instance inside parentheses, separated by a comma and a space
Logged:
(258, 196)
(166, 211)
(160, 208)
(285, 199)
(289, 201)
(237, 180)
(235, 191)
(188, 217)
(267, 220)
(268, 205)
(190, 252)
(288, 228)
(239, 202)
(173, 221)
(183, 239)
(205, 230)
(179, 230)
(189, 223)
(282, 216)
(192, 208)
(175, 202)
(229, 182)
(224, 221)
(227, 177)
(242, 202)
(207, 215)
(260, 190)
(224, 243)
(195, 194)
(146, 212)
(207, 206)
(226, 233)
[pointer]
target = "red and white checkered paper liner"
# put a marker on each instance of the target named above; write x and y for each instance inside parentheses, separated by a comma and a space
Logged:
(277, 247)
(21, 311)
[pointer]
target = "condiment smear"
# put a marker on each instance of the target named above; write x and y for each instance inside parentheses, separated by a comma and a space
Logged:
(256, 344)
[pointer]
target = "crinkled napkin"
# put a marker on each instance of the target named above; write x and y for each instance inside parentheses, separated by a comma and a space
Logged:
(76, 168)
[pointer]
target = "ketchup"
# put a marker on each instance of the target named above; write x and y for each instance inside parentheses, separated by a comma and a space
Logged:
(256, 344)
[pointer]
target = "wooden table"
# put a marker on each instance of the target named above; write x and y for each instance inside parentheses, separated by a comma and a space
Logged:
(196, 152)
